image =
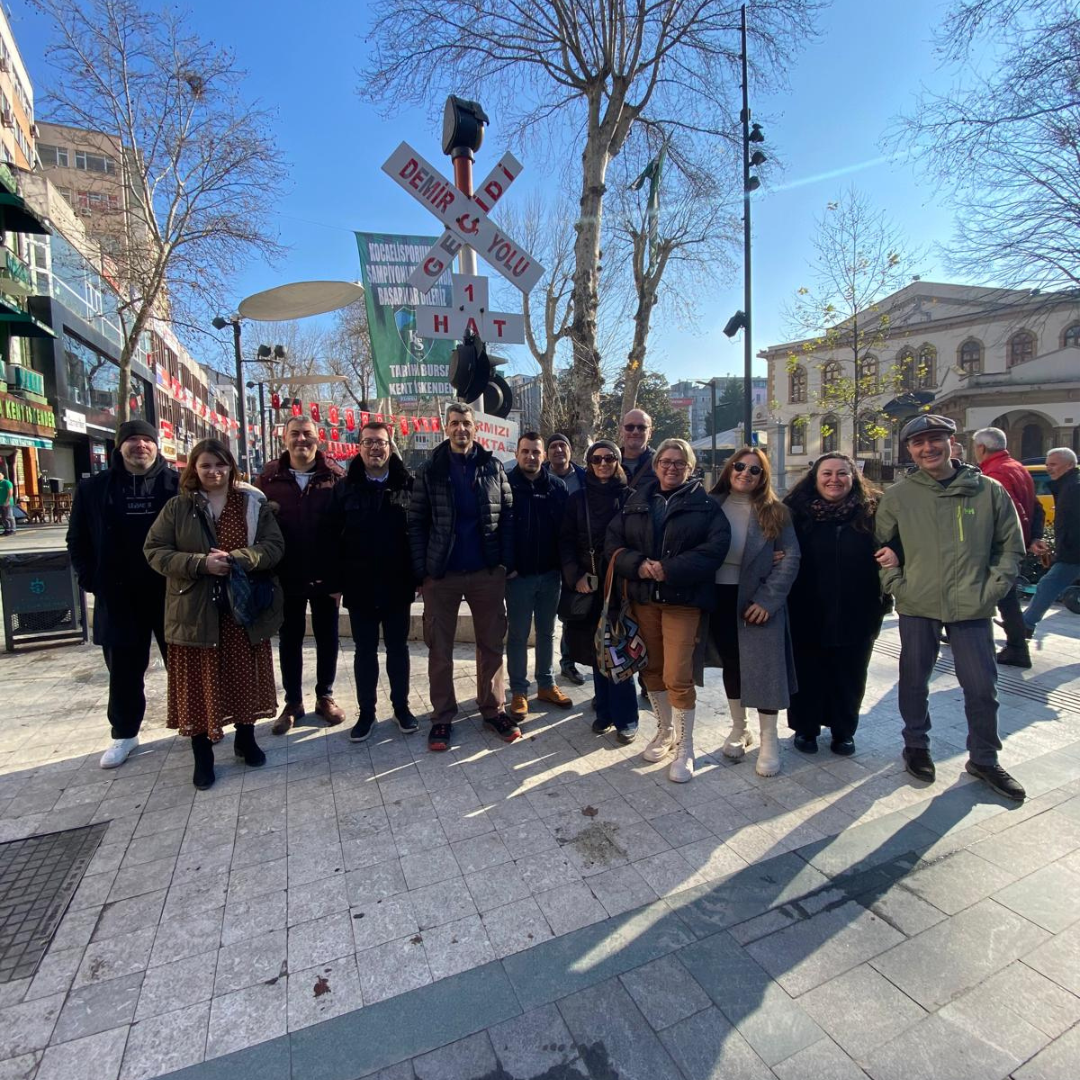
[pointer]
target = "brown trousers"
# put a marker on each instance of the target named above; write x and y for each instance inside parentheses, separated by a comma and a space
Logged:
(670, 632)
(485, 593)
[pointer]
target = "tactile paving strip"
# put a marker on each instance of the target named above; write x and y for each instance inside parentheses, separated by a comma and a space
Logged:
(38, 878)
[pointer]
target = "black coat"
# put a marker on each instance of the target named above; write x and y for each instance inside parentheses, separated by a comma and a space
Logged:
(688, 533)
(538, 514)
(127, 593)
(836, 598)
(432, 515)
(300, 516)
(1066, 492)
(643, 473)
(575, 541)
(367, 537)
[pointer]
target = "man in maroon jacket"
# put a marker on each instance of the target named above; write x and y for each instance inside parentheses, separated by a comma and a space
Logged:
(989, 447)
(301, 482)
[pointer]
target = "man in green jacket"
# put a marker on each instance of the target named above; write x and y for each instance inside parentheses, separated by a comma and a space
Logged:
(961, 549)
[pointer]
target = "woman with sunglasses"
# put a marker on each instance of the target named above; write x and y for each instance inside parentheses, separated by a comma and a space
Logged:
(668, 542)
(836, 602)
(218, 672)
(749, 631)
(581, 551)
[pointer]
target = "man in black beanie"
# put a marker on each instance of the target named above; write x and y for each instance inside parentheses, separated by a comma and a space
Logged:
(110, 516)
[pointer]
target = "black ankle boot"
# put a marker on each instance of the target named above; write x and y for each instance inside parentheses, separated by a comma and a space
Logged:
(246, 747)
(203, 752)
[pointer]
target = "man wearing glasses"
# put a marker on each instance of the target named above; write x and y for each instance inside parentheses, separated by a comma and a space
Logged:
(962, 547)
(637, 455)
(367, 526)
(301, 482)
(461, 534)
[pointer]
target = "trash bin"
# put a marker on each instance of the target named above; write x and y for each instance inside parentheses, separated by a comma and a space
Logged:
(41, 599)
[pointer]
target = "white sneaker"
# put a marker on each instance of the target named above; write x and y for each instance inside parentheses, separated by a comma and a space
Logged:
(117, 754)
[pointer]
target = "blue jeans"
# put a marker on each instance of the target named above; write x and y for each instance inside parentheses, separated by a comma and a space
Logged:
(1051, 585)
(616, 702)
(972, 645)
(528, 597)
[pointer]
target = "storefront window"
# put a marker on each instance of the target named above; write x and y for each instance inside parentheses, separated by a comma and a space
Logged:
(94, 381)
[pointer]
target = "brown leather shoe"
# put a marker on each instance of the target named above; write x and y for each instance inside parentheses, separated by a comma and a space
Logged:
(519, 707)
(329, 710)
(554, 696)
(292, 712)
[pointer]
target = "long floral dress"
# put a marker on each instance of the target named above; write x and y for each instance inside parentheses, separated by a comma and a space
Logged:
(233, 682)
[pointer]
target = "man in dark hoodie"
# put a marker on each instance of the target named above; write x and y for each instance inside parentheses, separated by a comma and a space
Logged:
(369, 541)
(110, 516)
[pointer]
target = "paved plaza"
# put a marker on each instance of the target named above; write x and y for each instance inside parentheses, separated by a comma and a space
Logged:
(553, 908)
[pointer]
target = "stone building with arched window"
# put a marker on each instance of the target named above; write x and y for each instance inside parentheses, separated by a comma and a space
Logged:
(1006, 358)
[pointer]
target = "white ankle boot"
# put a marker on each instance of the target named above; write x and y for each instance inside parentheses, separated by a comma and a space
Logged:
(682, 768)
(768, 760)
(663, 742)
(739, 740)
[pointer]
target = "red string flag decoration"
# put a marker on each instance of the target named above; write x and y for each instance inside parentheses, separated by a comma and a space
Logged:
(297, 408)
(333, 416)
(335, 434)
(350, 420)
(315, 411)
(322, 434)
(275, 401)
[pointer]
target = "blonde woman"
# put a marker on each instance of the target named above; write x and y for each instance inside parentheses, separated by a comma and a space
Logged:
(749, 626)
(673, 539)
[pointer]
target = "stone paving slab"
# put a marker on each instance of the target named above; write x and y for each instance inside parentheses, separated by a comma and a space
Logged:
(343, 883)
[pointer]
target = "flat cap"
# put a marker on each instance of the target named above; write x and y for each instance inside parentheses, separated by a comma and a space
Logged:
(927, 422)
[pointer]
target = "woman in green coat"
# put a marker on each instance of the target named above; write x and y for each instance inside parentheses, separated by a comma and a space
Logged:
(218, 672)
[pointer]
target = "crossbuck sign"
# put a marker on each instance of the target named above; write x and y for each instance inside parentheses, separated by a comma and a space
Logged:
(466, 222)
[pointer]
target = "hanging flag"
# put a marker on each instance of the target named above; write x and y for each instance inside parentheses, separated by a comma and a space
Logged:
(350, 420)
(335, 434)
(297, 408)
(275, 401)
(404, 425)
(315, 411)
(333, 416)
(322, 434)
(364, 418)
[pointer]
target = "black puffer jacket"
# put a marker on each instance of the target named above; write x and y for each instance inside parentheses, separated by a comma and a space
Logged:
(688, 533)
(538, 513)
(432, 515)
(836, 598)
(1066, 492)
(367, 536)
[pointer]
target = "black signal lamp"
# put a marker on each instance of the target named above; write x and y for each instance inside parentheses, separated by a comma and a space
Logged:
(463, 124)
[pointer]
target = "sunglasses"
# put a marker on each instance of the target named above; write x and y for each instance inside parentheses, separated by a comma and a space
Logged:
(741, 466)
(603, 459)
(635, 427)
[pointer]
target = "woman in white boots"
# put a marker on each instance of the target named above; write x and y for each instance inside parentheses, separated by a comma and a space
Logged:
(749, 628)
(672, 538)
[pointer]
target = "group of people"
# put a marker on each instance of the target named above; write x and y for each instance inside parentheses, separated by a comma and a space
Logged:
(786, 596)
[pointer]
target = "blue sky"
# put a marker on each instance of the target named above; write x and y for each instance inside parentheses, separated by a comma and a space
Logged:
(303, 61)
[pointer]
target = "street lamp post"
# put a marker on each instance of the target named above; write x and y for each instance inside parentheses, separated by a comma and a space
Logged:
(219, 324)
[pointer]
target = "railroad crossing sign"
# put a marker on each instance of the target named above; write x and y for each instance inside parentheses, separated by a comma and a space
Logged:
(464, 218)
(470, 314)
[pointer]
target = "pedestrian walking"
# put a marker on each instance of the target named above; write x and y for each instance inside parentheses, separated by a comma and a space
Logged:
(560, 463)
(534, 586)
(111, 514)
(990, 450)
(461, 534)
(7, 502)
(367, 527)
(219, 672)
(589, 511)
(836, 604)
(961, 545)
(749, 634)
(301, 483)
(1065, 569)
(667, 543)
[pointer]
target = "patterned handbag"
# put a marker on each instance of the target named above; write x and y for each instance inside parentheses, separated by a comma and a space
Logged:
(620, 648)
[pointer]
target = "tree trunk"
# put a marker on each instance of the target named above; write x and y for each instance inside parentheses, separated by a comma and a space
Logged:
(635, 361)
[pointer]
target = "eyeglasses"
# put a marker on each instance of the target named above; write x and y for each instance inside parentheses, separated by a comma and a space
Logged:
(635, 427)
(677, 466)
(741, 466)
(371, 444)
(603, 459)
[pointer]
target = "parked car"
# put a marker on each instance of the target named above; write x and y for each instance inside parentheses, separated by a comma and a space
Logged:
(1042, 488)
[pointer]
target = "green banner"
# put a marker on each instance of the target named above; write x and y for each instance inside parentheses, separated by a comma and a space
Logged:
(407, 367)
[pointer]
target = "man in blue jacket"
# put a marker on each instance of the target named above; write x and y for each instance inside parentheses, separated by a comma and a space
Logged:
(533, 589)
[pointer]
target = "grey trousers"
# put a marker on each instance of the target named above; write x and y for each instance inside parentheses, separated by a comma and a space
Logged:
(972, 645)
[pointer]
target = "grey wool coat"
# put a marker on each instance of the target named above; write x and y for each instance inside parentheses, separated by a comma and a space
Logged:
(767, 666)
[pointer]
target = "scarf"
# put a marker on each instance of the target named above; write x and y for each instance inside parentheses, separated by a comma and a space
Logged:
(835, 513)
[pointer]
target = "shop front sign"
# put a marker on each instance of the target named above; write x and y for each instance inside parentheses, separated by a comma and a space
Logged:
(26, 417)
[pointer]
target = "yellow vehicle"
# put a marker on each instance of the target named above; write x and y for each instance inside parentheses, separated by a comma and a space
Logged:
(1042, 490)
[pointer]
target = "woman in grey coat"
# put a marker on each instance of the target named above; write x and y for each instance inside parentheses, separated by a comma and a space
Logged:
(749, 634)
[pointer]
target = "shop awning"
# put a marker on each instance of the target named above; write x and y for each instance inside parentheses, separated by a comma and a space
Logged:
(18, 217)
(21, 323)
(10, 439)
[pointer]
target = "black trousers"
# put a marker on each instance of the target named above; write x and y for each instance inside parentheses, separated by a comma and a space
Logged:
(365, 622)
(832, 681)
(1013, 619)
(127, 661)
(324, 627)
